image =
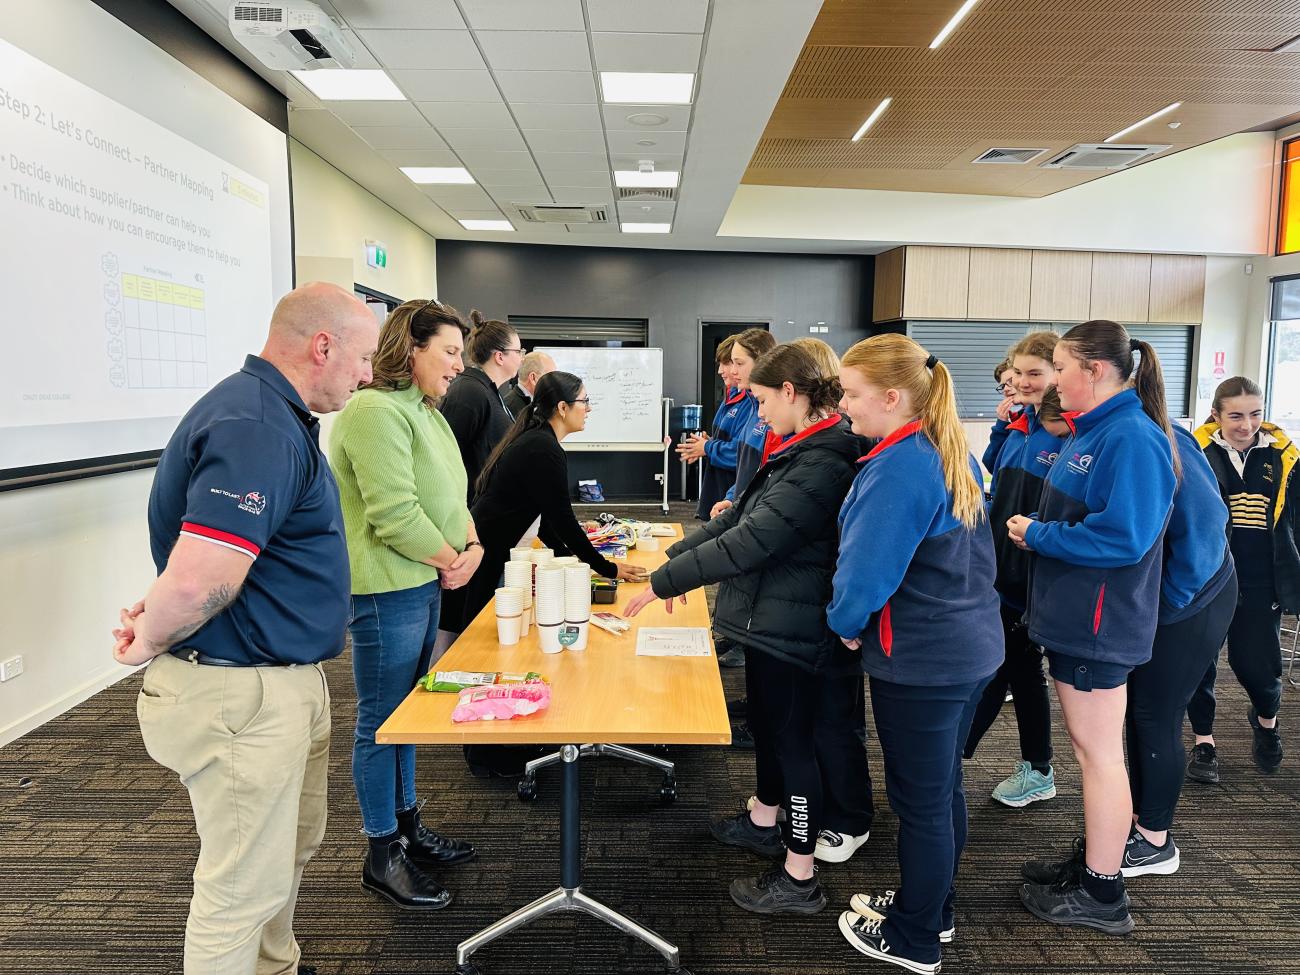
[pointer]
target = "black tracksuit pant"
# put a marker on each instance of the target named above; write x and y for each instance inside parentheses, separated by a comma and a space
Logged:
(1022, 671)
(1255, 656)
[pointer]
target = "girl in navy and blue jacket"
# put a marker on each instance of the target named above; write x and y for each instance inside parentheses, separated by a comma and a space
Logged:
(750, 428)
(1008, 409)
(1099, 537)
(717, 450)
(1026, 455)
(913, 593)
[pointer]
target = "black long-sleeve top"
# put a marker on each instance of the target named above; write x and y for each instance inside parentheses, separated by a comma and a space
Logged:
(479, 418)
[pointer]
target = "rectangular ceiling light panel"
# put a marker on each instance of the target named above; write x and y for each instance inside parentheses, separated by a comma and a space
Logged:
(646, 88)
(350, 85)
(437, 174)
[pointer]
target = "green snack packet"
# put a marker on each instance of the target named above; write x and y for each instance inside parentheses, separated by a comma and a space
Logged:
(455, 681)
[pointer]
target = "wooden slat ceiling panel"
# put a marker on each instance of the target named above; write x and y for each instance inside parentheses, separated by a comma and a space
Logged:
(1019, 73)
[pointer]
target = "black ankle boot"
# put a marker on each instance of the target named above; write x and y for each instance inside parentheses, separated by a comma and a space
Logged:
(391, 874)
(426, 847)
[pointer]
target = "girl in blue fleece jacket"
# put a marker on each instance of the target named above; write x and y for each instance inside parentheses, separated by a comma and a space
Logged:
(716, 450)
(1095, 586)
(750, 428)
(913, 593)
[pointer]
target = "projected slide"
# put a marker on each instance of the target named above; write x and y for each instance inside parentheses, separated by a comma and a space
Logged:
(135, 264)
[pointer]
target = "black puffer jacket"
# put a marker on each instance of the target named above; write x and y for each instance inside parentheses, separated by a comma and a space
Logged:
(774, 554)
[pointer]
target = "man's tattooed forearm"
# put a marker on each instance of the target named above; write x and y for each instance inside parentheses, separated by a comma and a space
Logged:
(217, 599)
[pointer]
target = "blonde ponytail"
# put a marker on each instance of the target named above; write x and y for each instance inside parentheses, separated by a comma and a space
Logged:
(893, 361)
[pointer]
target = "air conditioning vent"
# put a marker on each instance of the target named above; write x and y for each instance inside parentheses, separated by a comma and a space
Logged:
(631, 194)
(1013, 157)
(561, 213)
(1102, 156)
(272, 15)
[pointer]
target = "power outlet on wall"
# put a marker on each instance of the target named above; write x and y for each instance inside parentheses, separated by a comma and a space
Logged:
(11, 668)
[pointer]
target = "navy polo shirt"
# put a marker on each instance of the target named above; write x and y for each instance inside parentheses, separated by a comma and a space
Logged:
(244, 470)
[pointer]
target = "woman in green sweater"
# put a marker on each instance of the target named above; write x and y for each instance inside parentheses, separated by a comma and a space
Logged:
(402, 486)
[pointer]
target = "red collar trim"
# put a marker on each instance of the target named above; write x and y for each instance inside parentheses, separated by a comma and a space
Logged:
(902, 433)
(1020, 423)
(1068, 416)
(818, 427)
(735, 398)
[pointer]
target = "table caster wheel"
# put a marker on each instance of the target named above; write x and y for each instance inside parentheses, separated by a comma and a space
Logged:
(668, 791)
(527, 790)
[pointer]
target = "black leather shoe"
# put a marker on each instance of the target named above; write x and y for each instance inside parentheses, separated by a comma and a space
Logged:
(426, 847)
(738, 709)
(742, 737)
(393, 875)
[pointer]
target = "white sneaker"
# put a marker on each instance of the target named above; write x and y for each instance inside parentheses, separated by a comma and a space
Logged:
(752, 801)
(875, 908)
(833, 847)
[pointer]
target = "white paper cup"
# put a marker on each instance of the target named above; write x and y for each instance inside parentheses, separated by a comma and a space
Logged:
(548, 638)
(509, 629)
(509, 601)
(527, 617)
(524, 553)
(541, 556)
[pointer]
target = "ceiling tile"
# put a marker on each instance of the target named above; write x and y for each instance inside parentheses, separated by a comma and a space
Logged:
(492, 214)
(421, 157)
(400, 136)
(462, 197)
(547, 140)
(590, 180)
(616, 117)
(406, 14)
(553, 87)
(625, 143)
(447, 86)
(558, 118)
(524, 14)
(662, 16)
(440, 50)
(652, 212)
(498, 159)
(469, 115)
(503, 178)
(525, 50)
(647, 52)
(571, 162)
(595, 229)
(576, 195)
(460, 139)
(507, 200)
(377, 113)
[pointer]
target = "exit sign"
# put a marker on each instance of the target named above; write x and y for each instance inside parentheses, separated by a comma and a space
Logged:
(376, 254)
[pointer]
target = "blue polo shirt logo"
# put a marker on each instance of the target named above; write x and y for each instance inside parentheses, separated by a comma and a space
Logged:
(253, 502)
(1080, 463)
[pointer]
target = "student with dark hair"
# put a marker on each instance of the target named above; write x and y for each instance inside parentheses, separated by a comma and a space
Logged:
(1254, 464)
(1028, 453)
(1099, 537)
(773, 555)
(751, 430)
(717, 450)
(1004, 376)
(474, 406)
(914, 597)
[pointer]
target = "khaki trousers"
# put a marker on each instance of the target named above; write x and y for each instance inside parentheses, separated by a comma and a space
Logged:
(251, 744)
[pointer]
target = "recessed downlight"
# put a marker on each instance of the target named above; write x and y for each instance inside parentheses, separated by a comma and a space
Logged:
(647, 119)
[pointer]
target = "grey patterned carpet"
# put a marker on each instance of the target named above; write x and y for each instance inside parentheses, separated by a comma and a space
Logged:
(96, 851)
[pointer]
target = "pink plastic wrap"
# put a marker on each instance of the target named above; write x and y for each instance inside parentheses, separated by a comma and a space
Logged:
(501, 702)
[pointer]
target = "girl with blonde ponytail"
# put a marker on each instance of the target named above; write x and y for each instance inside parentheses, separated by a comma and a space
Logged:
(913, 594)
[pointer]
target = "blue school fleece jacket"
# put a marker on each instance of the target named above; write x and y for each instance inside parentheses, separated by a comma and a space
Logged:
(1198, 559)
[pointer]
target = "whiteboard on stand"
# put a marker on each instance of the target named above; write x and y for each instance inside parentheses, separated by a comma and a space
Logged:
(626, 387)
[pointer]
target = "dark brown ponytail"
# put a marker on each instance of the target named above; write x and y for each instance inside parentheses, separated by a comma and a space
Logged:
(788, 363)
(487, 336)
(1106, 341)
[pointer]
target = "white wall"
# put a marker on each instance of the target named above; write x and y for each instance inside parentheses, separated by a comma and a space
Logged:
(1209, 200)
(72, 554)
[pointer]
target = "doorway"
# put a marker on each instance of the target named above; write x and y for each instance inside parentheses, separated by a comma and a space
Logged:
(711, 335)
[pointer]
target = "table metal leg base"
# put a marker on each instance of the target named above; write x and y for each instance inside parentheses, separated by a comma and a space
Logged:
(667, 791)
(567, 900)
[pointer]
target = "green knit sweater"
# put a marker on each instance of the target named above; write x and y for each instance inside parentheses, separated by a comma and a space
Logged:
(402, 485)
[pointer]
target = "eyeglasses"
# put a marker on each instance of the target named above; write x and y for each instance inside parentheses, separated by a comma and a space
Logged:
(585, 401)
(504, 351)
(1004, 387)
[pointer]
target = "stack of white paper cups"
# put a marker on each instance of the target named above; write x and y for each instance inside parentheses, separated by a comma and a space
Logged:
(510, 612)
(548, 608)
(524, 553)
(577, 606)
(519, 575)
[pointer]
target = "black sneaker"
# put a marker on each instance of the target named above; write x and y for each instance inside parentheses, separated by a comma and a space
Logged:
(740, 831)
(1204, 764)
(865, 934)
(742, 737)
(1141, 857)
(738, 709)
(1268, 743)
(1053, 871)
(1067, 902)
(734, 657)
(775, 892)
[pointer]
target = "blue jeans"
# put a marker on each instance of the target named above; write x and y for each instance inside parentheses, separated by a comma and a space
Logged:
(921, 732)
(392, 642)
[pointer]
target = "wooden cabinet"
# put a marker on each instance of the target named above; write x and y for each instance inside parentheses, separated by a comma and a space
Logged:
(1177, 288)
(935, 282)
(999, 283)
(1060, 286)
(887, 298)
(1121, 287)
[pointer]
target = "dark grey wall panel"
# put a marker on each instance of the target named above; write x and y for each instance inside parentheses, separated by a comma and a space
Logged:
(673, 290)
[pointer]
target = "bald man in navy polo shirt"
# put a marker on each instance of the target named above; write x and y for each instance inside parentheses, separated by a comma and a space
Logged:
(252, 594)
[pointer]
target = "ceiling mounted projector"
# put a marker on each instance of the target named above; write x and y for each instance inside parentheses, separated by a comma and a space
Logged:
(292, 35)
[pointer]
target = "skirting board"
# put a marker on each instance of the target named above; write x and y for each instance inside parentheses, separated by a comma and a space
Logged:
(105, 678)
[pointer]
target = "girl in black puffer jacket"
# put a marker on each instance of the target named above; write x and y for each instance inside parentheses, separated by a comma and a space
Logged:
(773, 554)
